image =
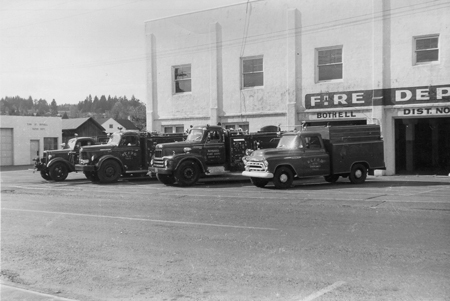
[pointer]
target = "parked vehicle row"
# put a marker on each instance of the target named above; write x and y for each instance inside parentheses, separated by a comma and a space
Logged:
(264, 156)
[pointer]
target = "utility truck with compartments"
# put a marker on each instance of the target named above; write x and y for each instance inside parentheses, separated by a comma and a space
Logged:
(207, 150)
(126, 154)
(57, 164)
(331, 152)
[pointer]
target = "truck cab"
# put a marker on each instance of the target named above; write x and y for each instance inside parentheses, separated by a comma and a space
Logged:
(57, 164)
(126, 153)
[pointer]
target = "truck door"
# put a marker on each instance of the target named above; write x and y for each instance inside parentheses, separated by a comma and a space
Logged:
(314, 161)
(130, 153)
(214, 148)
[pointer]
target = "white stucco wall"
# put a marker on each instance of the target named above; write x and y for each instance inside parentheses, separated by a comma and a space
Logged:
(376, 38)
(25, 129)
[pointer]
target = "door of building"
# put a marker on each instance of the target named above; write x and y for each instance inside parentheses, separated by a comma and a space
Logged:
(34, 150)
(421, 146)
(6, 145)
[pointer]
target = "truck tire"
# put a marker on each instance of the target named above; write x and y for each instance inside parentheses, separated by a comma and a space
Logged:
(166, 179)
(58, 171)
(109, 172)
(91, 176)
(283, 178)
(45, 175)
(187, 173)
(331, 178)
(358, 174)
(258, 182)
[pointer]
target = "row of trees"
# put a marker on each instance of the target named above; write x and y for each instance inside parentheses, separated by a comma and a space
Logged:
(97, 107)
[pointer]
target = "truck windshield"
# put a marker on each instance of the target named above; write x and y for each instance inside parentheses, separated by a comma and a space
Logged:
(70, 144)
(195, 135)
(114, 139)
(290, 142)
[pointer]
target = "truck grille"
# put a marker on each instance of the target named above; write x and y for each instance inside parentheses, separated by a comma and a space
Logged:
(255, 166)
(158, 153)
(158, 162)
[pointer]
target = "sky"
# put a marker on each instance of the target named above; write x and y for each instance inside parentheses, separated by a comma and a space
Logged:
(67, 50)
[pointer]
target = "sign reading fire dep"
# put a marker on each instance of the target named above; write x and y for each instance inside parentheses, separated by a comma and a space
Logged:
(379, 97)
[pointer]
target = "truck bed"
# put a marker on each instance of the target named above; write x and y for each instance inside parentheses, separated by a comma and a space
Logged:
(349, 144)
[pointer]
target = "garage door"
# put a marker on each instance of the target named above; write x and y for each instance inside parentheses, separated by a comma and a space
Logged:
(6, 147)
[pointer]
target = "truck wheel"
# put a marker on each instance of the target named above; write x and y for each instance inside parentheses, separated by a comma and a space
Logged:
(45, 175)
(166, 179)
(187, 173)
(283, 178)
(258, 182)
(91, 176)
(109, 172)
(58, 171)
(331, 178)
(358, 174)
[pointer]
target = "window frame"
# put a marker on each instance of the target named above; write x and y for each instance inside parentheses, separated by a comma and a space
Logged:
(50, 143)
(248, 58)
(174, 80)
(173, 127)
(245, 126)
(423, 37)
(317, 66)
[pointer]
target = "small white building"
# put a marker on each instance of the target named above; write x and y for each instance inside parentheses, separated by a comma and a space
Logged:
(112, 125)
(290, 62)
(24, 137)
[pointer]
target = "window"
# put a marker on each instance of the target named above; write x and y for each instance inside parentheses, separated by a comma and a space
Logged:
(236, 126)
(50, 143)
(169, 129)
(329, 64)
(252, 72)
(426, 49)
(182, 79)
(313, 142)
(110, 126)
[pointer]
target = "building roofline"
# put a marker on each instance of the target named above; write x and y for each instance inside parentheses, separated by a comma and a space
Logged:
(203, 10)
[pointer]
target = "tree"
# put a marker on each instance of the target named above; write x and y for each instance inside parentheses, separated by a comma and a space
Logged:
(138, 116)
(53, 108)
(42, 107)
(65, 116)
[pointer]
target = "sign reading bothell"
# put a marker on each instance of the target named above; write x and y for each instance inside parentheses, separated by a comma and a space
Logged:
(381, 97)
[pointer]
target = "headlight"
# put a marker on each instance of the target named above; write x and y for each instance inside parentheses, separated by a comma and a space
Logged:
(248, 151)
(50, 157)
(266, 164)
(93, 158)
(186, 149)
(168, 163)
(151, 162)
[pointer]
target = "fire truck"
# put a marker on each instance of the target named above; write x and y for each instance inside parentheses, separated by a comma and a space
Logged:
(57, 164)
(126, 154)
(206, 149)
(332, 152)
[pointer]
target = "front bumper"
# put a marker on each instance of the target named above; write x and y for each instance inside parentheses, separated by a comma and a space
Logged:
(258, 174)
(155, 170)
(88, 168)
(40, 166)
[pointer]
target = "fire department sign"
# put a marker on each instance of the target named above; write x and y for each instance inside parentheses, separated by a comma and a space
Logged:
(379, 97)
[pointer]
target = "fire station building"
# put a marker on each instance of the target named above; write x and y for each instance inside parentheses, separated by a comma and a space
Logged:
(294, 63)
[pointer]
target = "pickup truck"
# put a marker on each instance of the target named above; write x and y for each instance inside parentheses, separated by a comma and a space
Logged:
(331, 152)
(127, 153)
(206, 150)
(57, 164)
